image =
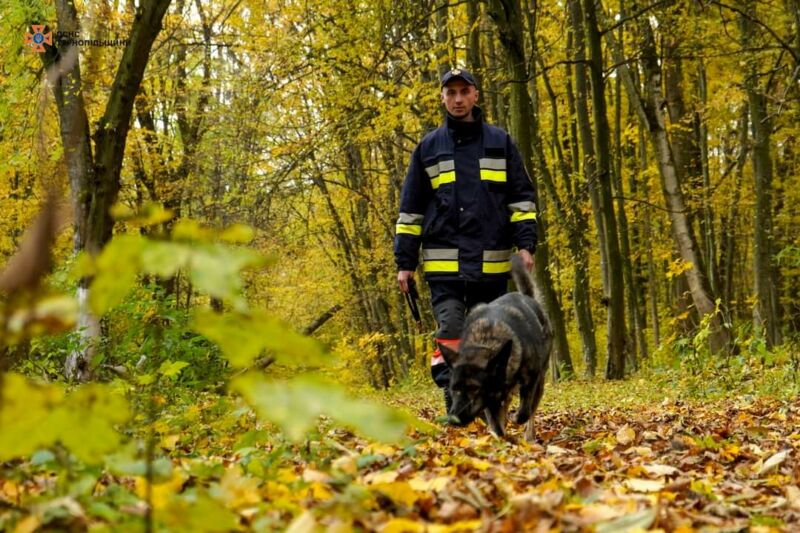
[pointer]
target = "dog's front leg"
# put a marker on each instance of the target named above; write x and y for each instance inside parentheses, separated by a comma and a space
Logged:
(493, 420)
(526, 398)
(502, 414)
(530, 431)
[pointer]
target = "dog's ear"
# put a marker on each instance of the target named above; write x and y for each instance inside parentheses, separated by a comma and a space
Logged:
(498, 364)
(450, 355)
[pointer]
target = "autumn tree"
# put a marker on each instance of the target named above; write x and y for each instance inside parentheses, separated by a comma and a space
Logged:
(94, 169)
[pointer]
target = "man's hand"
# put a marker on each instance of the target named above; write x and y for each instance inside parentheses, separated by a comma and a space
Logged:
(527, 259)
(402, 279)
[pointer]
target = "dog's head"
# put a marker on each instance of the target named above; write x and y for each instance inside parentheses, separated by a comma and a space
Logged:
(477, 379)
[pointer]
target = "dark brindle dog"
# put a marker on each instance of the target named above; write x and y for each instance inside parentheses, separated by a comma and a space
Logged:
(506, 344)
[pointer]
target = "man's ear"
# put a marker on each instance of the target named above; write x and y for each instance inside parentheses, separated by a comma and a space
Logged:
(448, 354)
(498, 364)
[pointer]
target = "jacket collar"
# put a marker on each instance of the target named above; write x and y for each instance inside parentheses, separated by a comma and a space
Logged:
(460, 129)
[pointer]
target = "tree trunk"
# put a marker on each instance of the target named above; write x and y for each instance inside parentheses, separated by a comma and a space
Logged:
(497, 102)
(765, 313)
(94, 180)
(650, 111)
(615, 368)
(707, 225)
(442, 52)
(585, 131)
(508, 17)
(578, 192)
(474, 63)
(577, 227)
(730, 218)
(112, 128)
(637, 349)
(632, 235)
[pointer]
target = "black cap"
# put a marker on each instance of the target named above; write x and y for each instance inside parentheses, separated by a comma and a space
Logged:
(458, 74)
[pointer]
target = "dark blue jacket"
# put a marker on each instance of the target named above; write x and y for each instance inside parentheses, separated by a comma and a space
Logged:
(467, 200)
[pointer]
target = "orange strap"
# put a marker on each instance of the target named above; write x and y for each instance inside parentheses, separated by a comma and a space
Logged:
(436, 357)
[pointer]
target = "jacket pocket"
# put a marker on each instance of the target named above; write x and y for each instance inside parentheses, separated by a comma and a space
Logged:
(438, 216)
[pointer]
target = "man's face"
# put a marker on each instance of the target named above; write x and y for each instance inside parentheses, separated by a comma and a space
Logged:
(459, 98)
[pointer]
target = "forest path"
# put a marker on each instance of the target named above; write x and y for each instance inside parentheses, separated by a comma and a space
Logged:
(678, 466)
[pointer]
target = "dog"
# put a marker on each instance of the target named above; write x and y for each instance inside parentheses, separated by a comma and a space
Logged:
(505, 345)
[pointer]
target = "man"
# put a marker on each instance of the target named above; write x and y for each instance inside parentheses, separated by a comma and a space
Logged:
(467, 200)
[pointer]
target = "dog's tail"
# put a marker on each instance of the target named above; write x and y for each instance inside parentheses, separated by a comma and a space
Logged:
(522, 279)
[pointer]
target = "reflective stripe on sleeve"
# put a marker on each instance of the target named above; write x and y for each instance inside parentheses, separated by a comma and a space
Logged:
(409, 224)
(526, 206)
(408, 229)
(499, 267)
(440, 259)
(496, 255)
(496, 261)
(520, 216)
(522, 211)
(410, 218)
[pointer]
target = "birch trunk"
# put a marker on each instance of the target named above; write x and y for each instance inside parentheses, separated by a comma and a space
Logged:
(94, 178)
(650, 110)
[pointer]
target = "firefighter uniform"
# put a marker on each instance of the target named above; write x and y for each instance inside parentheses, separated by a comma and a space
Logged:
(467, 201)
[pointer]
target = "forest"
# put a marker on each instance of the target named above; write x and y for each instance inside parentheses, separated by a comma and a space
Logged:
(200, 322)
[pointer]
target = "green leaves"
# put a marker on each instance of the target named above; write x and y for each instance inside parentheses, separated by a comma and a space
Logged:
(295, 405)
(213, 267)
(164, 259)
(196, 512)
(116, 269)
(86, 421)
(24, 415)
(149, 214)
(243, 336)
(171, 369)
(36, 416)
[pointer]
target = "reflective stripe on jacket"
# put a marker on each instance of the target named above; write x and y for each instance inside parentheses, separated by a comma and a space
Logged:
(467, 202)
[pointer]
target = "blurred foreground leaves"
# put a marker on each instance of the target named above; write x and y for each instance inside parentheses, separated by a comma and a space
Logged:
(97, 441)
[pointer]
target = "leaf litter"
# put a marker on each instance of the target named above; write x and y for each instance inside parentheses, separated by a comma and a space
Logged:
(724, 465)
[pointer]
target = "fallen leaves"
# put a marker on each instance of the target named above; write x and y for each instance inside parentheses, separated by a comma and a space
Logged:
(644, 485)
(677, 466)
(626, 435)
(658, 470)
(772, 463)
